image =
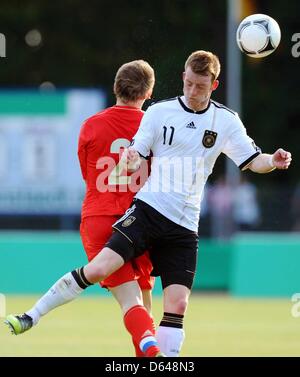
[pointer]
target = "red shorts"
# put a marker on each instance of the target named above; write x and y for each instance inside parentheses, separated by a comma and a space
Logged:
(95, 232)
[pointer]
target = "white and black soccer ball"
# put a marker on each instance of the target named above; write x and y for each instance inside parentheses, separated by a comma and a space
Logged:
(258, 35)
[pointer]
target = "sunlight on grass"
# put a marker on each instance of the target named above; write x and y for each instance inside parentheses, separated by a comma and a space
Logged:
(214, 325)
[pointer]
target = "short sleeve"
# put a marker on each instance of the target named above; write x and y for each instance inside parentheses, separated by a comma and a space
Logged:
(144, 138)
(240, 147)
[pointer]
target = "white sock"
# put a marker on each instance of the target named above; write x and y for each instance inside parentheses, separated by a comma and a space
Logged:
(170, 340)
(64, 290)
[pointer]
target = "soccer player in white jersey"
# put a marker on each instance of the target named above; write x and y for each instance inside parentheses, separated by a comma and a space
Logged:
(195, 129)
(188, 133)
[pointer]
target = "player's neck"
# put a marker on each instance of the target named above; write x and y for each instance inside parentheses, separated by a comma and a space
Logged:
(136, 104)
(196, 106)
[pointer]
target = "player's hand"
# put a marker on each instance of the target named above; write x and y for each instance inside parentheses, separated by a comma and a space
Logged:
(282, 159)
(132, 155)
(132, 158)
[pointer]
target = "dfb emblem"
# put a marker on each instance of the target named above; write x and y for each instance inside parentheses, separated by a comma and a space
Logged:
(128, 221)
(209, 138)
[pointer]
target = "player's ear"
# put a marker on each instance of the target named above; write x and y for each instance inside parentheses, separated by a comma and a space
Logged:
(215, 85)
(149, 94)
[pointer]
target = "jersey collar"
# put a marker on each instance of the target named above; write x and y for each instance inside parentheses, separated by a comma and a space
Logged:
(190, 110)
(126, 107)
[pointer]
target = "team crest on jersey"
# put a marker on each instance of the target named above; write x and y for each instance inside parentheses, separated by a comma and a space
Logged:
(128, 221)
(209, 138)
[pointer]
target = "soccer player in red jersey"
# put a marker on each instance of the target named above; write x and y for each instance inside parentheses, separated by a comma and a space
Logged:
(102, 139)
(109, 192)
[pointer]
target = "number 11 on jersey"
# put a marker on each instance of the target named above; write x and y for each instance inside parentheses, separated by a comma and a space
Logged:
(168, 134)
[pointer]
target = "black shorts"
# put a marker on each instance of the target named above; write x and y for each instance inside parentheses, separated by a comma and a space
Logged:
(173, 248)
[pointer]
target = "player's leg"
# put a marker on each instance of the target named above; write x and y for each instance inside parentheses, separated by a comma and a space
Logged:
(121, 282)
(175, 262)
(127, 295)
(95, 231)
(67, 288)
(137, 320)
(70, 285)
(147, 302)
(147, 299)
(133, 228)
(142, 268)
(170, 334)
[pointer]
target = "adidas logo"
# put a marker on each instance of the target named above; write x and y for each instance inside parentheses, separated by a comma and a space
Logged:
(191, 125)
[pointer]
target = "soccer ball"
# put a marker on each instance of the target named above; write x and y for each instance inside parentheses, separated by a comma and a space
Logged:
(258, 35)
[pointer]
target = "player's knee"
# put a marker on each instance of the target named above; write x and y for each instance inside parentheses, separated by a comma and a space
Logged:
(176, 299)
(95, 272)
(176, 305)
(180, 305)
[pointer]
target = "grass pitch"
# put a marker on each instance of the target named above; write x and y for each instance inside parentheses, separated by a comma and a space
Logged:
(214, 325)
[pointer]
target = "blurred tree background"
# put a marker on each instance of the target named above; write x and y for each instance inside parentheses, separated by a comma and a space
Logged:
(82, 43)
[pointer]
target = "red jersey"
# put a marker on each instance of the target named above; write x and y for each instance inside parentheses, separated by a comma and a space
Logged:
(101, 141)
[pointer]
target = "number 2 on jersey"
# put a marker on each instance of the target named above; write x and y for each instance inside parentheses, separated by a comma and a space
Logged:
(114, 177)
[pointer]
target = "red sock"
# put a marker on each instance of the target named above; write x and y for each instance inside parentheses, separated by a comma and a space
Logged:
(138, 352)
(140, 325)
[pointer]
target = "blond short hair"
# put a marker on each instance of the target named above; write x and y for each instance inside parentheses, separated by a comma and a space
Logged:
(204, 62)
(133, 80)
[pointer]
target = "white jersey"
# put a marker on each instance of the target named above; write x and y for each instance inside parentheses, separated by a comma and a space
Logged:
(185, 145)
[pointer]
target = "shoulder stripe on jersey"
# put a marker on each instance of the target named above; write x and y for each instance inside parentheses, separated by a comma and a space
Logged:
(251, 158)
(163, 100)
(221, 106)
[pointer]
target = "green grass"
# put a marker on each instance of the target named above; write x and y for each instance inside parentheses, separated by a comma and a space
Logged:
(214, 325)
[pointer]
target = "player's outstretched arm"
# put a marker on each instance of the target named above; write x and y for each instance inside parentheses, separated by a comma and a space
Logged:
(264, 163)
